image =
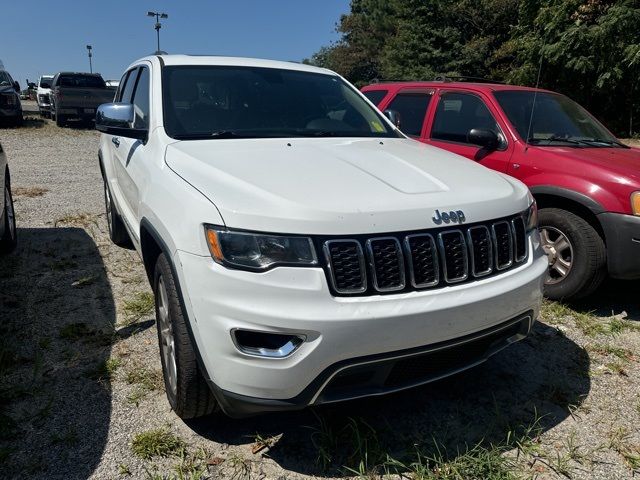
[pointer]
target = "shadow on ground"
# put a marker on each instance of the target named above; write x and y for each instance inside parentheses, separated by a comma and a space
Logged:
(613, 298)
(57, 326)
(536, 382)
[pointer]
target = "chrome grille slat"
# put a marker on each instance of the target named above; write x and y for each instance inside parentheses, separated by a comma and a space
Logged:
(502, 244)
(480, 250)
(400, 262)
(345, 261)
(422, 257)
(519, 239)
(455, 260)
(386, 263)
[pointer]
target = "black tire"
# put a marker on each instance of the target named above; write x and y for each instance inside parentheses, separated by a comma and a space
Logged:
(117, 231)
(9, 238)
(61, 120)
(188, 392)
(588, 255)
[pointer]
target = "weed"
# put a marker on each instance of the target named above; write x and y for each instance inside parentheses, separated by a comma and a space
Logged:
(124, 470)
(67, 438)
(30, 192)
(241, 466)
(156, 443)
(556, 313)
(84, 281)
(74, 331)
(63, 264)
(141, 305)
(80, 219)
(104, 370)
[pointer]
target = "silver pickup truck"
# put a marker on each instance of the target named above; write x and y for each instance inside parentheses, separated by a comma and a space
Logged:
(77, 96)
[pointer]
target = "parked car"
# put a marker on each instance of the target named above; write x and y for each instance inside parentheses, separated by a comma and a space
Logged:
(44, 95)
(8, 232)
(10, 106)
(585, 181)
(301, 249)
(77, 95)
(112, 85)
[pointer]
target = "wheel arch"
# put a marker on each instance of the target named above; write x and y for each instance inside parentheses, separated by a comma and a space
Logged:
(575, 202)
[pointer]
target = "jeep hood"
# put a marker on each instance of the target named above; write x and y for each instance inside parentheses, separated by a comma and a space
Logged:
(340, 185)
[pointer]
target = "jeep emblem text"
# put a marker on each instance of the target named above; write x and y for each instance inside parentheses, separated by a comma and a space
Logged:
(448, 217)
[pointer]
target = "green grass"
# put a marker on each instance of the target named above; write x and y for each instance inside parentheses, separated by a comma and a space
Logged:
(145, 380)
(156, 443)
(141, 305)
(74, 331)
(104, 370)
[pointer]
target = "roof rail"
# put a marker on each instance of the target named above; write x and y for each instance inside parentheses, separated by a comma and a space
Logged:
(464, 78)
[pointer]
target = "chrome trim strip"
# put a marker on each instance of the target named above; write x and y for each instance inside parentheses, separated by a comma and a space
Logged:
(327, 254)
(444, 257)
(283, 352)
(434, 256)
(514, 338)
(524, 240)
(495, 245)
(472, 254)
(399, 258)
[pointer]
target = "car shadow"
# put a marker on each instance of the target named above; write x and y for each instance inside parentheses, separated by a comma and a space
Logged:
(614, 297)
(529, 387)
(57, 326)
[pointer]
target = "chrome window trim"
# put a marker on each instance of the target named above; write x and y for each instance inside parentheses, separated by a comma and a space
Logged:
(434, 256)
(515, 237)
(472, 254)
(444, 256)
(399, 258)
(363, 268)
(495, 245)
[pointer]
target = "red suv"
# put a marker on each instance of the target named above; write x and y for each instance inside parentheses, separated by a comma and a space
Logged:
(586, 182)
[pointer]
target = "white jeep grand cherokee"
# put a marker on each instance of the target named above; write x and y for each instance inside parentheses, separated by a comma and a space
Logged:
(301, 249)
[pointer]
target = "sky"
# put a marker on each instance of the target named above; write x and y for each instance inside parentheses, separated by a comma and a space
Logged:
(41, 37)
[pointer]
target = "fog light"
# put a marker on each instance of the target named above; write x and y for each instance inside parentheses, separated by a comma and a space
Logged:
(264, 344)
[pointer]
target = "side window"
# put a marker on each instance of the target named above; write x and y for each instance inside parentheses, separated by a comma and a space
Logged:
(457, 113)
(375, 96)
(123, 82)
(127, 90)
(412, 107)
(141, 100)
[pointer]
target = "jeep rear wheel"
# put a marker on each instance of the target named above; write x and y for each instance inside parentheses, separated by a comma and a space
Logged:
(187, 390)
(117, 231)
(576, 254)
(9, 238)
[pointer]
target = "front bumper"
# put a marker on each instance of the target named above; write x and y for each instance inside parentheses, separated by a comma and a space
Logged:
(340, 331)
(622, 234)
(10, 113)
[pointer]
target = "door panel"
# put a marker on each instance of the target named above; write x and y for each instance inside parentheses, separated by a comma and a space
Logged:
(458, 112)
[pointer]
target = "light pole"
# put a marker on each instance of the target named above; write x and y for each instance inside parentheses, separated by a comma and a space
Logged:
(90, 55)
(158, 25)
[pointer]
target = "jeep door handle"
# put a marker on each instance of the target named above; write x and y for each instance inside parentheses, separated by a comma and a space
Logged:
(115, 141)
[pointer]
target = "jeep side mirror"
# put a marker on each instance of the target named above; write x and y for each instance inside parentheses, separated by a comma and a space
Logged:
(118, 119)
(393, 116)
(483, 137)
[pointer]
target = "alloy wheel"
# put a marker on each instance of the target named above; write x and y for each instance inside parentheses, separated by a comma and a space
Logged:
(559, 253)
(167, 340)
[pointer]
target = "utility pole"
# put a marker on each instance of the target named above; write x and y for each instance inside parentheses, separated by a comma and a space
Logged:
(158, 25)
(90, 55)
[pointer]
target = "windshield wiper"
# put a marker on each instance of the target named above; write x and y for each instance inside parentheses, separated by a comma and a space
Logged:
(553, 139)
(203, 136)
(590, 141)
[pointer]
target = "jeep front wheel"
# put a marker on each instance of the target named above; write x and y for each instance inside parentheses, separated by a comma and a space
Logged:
(187, 390)
(576, 254)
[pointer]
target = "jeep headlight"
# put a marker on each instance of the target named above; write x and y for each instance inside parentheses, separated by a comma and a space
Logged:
(531, 216)
(258, 251)
(635, 203)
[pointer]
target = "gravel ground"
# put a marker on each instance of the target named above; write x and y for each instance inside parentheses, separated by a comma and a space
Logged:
(80, 373)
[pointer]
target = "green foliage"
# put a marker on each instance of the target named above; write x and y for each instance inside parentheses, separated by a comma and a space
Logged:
(590, 49)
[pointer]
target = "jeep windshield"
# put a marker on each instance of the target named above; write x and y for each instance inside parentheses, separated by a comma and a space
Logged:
(222, 102)
(557, 120)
